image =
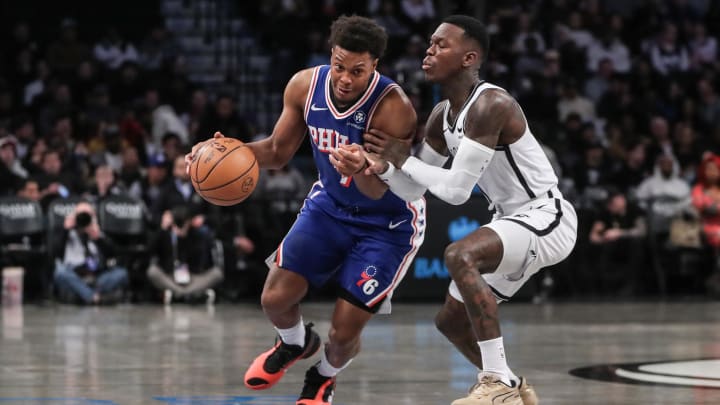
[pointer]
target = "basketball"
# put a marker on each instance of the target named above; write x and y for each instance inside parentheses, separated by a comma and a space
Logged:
(224, 171)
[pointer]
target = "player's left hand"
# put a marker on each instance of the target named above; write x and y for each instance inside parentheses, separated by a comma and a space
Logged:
(190, 156)
(348, 160)
(390, 148)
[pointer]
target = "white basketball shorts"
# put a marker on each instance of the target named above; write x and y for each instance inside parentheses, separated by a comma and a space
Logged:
(539, 234)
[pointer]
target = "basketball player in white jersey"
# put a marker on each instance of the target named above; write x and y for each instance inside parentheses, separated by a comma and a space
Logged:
(485, 130)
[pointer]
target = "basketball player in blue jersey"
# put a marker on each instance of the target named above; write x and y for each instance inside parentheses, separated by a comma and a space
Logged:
(485, 130)
(350, 231)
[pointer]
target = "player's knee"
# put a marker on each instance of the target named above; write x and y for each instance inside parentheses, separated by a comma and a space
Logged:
(456, 258)
(343, 338)
(461, 257)
(273, 301)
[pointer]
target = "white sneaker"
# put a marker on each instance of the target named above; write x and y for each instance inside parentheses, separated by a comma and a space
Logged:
(210, 294)
(167, 297)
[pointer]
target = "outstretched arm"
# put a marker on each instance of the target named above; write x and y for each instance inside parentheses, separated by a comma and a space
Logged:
(432, 151)
(483, 126)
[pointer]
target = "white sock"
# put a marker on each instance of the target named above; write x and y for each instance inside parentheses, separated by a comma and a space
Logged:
(294, 335)
(328, 370)
(493, 358)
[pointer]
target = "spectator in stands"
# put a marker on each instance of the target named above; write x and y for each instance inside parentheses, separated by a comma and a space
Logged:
(616, 100)
(703, 47)
(99, 108)
(54, 181)
(29, 189)
(664, 195)
(618, 236)
(660, 141)
(577, 32)
(129, 86)
(633, 169)
(184, 263)
(179, 192)
(154, 184)
(164, 119)
(157, 49)
(131, 172)
(387, 16)
(609, 46)
(62, 106)
(199, 109)
(283, 190)
(526, 30)
(687, 149)
(104, 185)
(33, 160)
(85, 270)
(224, 118)
(406, 68)
(171, 146)
(85, 81)
(599, 82)
(572, 101)
(706, 200)
(23, 128)
(68, 51)
(592, 176)
(36, 88)
(708, 107)
(113, 51)
(12, 171)
(418, 14)
(667, 54)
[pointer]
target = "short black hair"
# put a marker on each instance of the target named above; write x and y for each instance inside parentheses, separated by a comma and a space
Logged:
(358, 34)
(474, 29)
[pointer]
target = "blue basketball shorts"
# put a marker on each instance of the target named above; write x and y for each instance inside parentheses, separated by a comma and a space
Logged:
(365, 261)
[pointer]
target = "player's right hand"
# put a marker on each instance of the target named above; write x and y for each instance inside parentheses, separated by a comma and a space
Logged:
(190, 156)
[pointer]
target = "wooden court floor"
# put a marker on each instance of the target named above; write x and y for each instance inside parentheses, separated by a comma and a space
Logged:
(148, 354)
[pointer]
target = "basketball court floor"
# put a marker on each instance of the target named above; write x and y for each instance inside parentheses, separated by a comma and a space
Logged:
(585, 353)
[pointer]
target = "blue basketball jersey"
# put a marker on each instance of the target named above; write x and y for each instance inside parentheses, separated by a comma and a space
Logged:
(328, 129)
(364, 246)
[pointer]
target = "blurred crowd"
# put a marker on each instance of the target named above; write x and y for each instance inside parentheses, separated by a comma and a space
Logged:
(624, 96)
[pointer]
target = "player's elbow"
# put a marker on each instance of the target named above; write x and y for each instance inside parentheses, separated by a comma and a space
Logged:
(453, 195)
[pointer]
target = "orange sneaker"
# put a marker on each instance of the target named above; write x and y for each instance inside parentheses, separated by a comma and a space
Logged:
(268, 368)
(318, 389)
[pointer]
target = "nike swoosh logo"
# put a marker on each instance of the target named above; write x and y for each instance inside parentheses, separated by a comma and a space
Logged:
(395, 225)
(313, 108)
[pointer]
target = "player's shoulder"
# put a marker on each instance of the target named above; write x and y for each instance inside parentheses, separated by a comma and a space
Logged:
(492, 103)
(298, 86)
(494, 98)
(395, 113)
(302, 78)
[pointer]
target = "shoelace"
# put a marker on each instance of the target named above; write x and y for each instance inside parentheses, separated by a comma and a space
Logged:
(486, 384)
(283, 355)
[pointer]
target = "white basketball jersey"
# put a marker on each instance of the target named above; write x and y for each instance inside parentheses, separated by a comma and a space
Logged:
(518, 172)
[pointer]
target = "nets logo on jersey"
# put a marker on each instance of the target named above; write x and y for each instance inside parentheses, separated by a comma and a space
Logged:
(367, 280)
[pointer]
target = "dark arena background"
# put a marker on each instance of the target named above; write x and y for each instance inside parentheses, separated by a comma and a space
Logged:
(100, 101)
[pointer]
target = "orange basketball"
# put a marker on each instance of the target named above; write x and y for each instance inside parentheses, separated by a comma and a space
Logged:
(224, 171)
